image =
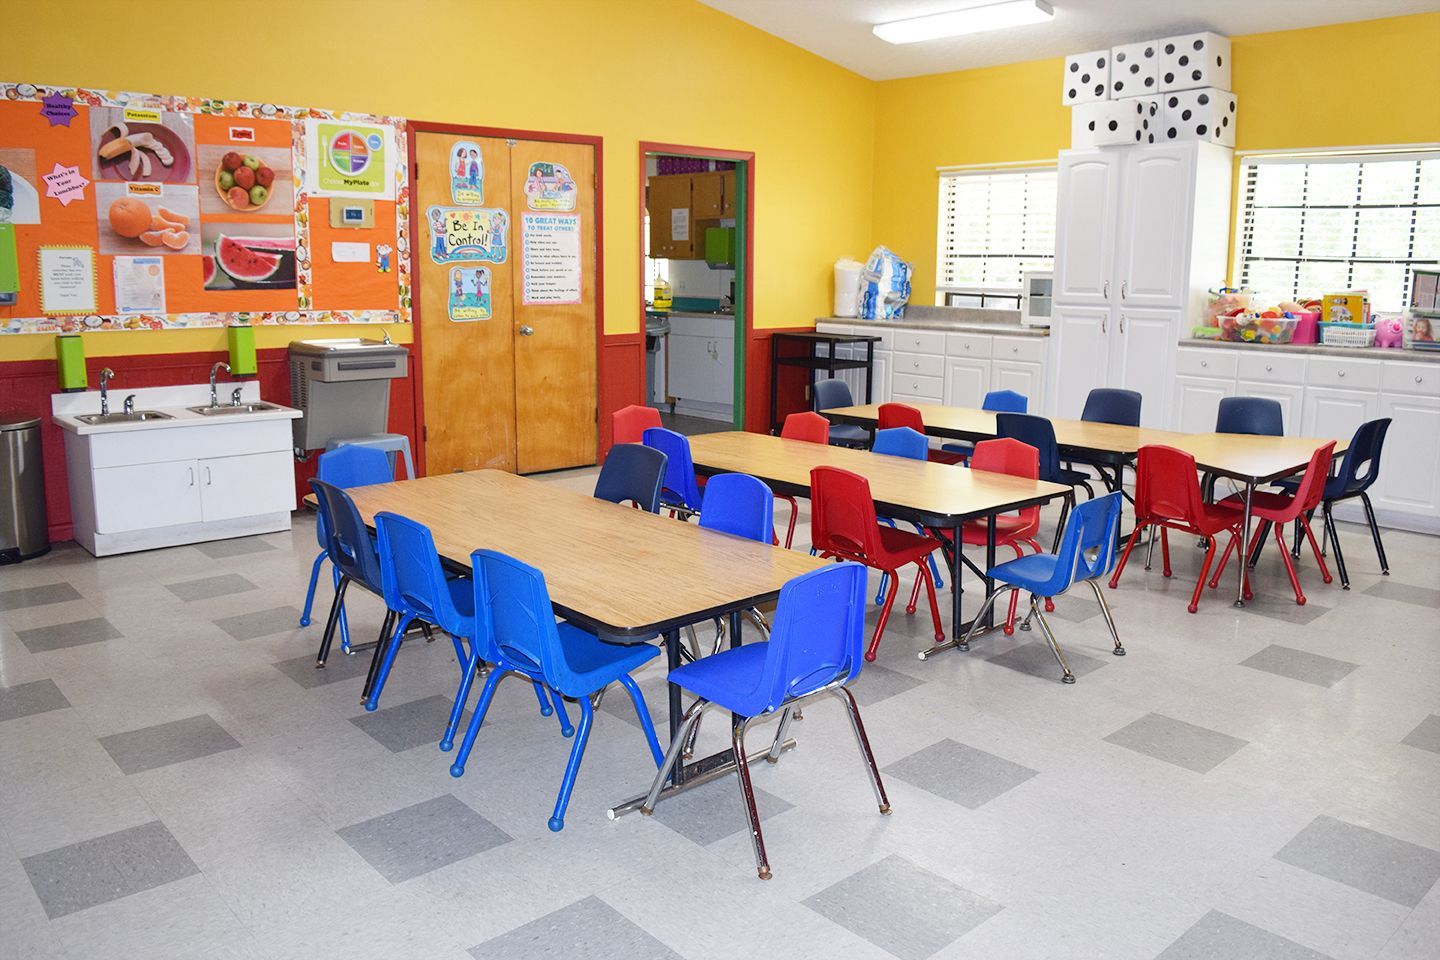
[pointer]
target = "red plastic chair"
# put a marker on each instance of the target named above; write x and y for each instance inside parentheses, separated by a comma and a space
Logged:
(1016, 459)
(902, 415)
(1279, 509)
(1167, 495)
(812, 428)
(843, 526)
(629, 425)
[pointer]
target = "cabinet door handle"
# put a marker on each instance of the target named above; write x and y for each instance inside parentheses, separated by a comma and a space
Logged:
(1340, 373)
(1105, 290)
(1268, 368)
(1104, 325)
(1122, 323)
(1419, 379)
(192, 476)
(917, 364)
(1124, 288)
(207, 476)
(1204, 363)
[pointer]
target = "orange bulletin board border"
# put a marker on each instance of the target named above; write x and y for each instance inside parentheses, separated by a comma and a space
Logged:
(325, 291)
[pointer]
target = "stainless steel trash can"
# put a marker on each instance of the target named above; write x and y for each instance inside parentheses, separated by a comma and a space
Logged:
(23, 529)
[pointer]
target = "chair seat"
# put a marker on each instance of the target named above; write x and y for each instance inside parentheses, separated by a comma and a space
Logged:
(729, 678)
(1215, 517)
(1264, 505)
(962, 449)
(1007, 527)
(946, 456)
(1029, 572)
(848, 433)
(595, 662)
(1335, 488)
(902, 547)
(1072, 477)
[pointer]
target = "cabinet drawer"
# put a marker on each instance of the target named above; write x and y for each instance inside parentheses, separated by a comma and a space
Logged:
(212, 439)
(1206, 363)
(1028, 349)
(1414, 378)
(1347, 373)
(915, 385)
(919, 341)
(1272, 368)
(924, 364)
(967, 344)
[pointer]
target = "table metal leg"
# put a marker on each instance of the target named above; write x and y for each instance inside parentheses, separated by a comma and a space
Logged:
(990, 565)
(1243, 553)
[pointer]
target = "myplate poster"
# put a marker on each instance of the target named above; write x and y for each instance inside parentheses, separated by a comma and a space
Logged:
(345, 159)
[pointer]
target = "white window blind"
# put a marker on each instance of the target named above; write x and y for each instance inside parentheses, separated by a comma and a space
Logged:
(994, 224)
(1311, 225)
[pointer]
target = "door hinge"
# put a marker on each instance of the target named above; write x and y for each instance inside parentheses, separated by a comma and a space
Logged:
(424, 432)
(511, 143)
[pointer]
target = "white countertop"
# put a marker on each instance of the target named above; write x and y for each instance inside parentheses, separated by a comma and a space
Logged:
(1320, 349)
(67, 407)
(997, 328)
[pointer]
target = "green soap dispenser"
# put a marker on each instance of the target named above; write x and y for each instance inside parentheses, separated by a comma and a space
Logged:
(241, 338)
(70, 361)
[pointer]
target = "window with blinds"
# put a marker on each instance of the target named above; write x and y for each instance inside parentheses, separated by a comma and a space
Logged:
(994, 225)
(1311, 225)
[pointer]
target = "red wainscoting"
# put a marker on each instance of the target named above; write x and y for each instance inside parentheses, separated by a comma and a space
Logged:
(622, 378)
(793, 385)
(27, 386)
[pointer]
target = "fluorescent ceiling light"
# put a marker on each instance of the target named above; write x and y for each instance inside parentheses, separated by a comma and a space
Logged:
(993, 16)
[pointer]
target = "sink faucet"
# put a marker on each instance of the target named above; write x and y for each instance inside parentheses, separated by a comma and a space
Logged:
(235, 397)
(106, 376)
(130, 404)
(214, 371)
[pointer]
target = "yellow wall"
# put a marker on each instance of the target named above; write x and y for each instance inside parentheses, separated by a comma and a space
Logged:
(627, 70)
(1372, 82)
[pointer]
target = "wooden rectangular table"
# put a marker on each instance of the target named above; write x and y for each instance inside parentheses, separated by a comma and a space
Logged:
(931, 494)
(619, 572)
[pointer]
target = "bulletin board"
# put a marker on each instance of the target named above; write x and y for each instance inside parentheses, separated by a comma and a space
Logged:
(126, 211)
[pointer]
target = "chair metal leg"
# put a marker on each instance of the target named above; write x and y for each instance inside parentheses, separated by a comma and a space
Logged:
(1150, 548)
(1065, 506)
(387, 661)
(1319, 560)
(487, 693)
(572, 767)
(344, 620)
(642, 713)
(1334, 535)
(747, 793)
(866, 754)
(545, 708)
(1050, 638)
(544, 692)
(1259, 547)
(672, 755)
(773, 756)
(387, 629)
(1125, 554)
(462, 696)
(310, 591)
(1375, 535)
(1165, 551)
(963, 643)
(1119, 650)
(884, 616)
(337, 607)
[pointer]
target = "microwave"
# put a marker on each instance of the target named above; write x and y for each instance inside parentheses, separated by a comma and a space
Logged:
(1037, 297)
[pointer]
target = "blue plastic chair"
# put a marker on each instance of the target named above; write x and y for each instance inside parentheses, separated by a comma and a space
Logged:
(913, 445)
(1259, 416)
(815, 649)
(996, 401)
(830, 394)
(1040, 434)
(351, 550)
(516, 625)
(1086, 553)
(345, 467)
(632, 472)
(416, 589)
(679, 491)
(1110, 405)
(740, 505)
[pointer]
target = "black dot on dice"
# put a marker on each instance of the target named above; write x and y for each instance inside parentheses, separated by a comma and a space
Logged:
(1100, 63)
(1149, 51)
(1140, 108)
(1185, 114)
(1070, 93)
(1169, 48)
(1170, 133)
(1074, 68)
(1084, 78)
(1151, 138)
(1149, 81)
(1199, 44)
(1092, 126)
(1169, 78)
(1196, 74)
(1224, 121)
(1099, 89)
(1173, 102)
(1200, 130)
(1113, 126)
(1134, 68)
(1204, 99)
(1219, 61)
(1119, 58)
(1232, 106)
(1137, 136)
(1184, 60)
(1119, 85)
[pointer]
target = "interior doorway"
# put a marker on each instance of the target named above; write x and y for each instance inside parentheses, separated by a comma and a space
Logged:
(696, 229)
(506, 283)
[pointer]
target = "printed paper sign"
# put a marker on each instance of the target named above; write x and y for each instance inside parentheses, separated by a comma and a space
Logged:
(467, 233)
(58, 109)
(349, 252)
(469, 294)
(65, 184)
(467, 174)
(549, 187)
(550, 257)
(345, 159)
(139, 285)
(680, 224)
(67, 280)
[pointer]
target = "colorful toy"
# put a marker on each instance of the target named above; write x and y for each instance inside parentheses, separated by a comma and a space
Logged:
(1389, 332)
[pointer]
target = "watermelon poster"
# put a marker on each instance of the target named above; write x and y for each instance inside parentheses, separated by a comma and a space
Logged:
(248, 256)
(346, 159)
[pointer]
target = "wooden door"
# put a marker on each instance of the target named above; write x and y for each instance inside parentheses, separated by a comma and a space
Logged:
(672, 227)
(468, 364)
(553, 328)
(707, 195)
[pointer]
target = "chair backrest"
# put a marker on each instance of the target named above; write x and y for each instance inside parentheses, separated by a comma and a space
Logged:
(740, 505)
(351, 465)
(628, 424)
(1311, 489)
(632, 471)
(832, 393)
(1112, 405)
(1006, 401)
(679, 486)
(1087, 549)
(1036, 432)
(901, 442)
(807, 426)
(817, 636)
(842, 513)
(1166, 485)
(412, 578)
(1363, 454)
(894, 415)
(347, 541)
(1013, 458)
(1255, 415)
(512, 609)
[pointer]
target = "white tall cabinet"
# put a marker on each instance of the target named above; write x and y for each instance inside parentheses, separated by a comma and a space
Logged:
(1140, 233)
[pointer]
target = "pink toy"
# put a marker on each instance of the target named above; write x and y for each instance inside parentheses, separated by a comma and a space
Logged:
(1389, 332)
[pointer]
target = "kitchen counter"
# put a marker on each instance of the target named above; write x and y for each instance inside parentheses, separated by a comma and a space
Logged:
(998, 328)
(66, 408)
(1368, 353)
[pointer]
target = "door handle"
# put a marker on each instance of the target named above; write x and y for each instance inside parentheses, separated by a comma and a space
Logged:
(208, 478)
(1124, 288)
(192, 476)
(1105, 291)
(526, 330)
(1104, 325)
(1122, 323)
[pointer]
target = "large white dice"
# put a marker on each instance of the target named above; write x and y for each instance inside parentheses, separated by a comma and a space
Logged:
(1115, 123)
(1134, 69)
(1087, 78)
(1194, 60)
(1206, 114)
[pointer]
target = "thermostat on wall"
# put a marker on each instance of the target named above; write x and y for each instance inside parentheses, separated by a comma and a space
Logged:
(352, 213)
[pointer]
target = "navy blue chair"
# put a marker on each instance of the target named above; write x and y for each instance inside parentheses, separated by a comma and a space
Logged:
(996, 401)
(815, 649)
(1040, 434)
(1110, 405)
(632, 473)
(913, 445)
(830, 394)
(1086, 553)
(679, 492)
(1256, 416)
(517, 630)
(351, 550)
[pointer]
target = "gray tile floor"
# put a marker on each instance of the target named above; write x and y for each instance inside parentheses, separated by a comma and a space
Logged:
(177, 780)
